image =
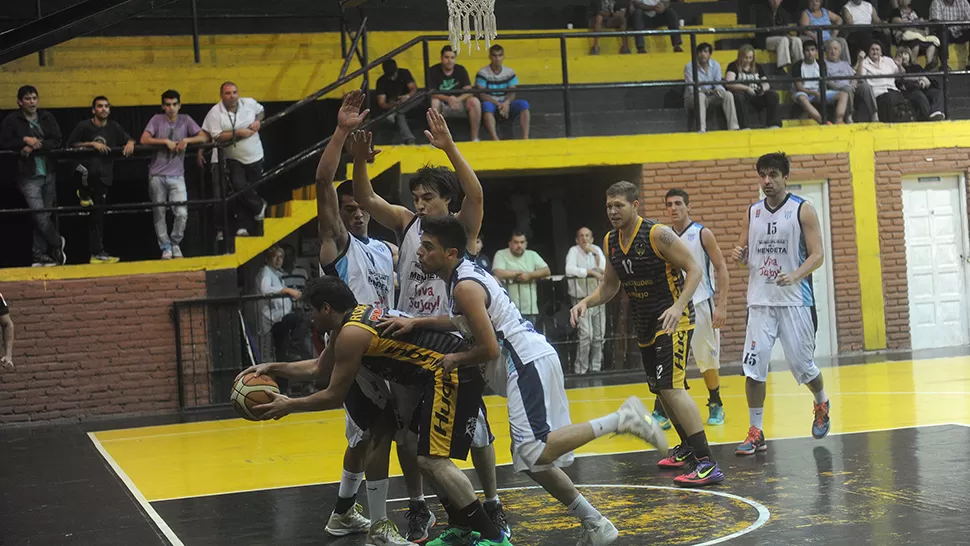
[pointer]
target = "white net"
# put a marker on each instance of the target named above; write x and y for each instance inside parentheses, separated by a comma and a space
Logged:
(471, 19)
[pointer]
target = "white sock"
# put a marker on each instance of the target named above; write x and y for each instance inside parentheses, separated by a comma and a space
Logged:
(377, 499)
(756, 416)
(820, 397)
(350, 484)
(605, 425)
(493, 500)
(583, 510)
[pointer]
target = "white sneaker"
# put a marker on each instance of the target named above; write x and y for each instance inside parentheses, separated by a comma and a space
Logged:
(385, 533)
(262, 213)
(636, 420)
(598, 533)
(166, 254)
(242, 232)
(341, 525)
(176, 252)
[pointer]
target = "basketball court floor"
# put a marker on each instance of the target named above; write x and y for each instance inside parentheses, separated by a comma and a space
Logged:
(894, 470)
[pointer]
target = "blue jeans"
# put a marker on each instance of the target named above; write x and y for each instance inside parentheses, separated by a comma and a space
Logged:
(39, 192)
(162, 189)
(515, 108)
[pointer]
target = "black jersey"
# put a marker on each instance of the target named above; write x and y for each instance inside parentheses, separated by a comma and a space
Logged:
(389, 356)
(651, 282)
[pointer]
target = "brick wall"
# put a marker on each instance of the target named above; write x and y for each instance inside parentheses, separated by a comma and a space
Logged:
(721, 192)
(891, 167)
(93, 347)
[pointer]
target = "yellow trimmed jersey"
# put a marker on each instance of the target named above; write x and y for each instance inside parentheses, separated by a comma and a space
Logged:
(651, 282)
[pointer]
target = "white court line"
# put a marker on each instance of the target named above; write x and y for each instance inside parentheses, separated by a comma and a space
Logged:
(763, 513)
(577, 455)
(146, 506)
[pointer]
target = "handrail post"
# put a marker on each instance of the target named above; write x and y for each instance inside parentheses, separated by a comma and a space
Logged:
(195, 32)
(228, 234)
(697, 89)
(42, 54)
(363, 44)
(819, 58)
(566, 106)
(180, 379)
(427, 60)
(353, 48)
(945, 50)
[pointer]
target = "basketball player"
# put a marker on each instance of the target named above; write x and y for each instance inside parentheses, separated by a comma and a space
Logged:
(543, 439)
(648, 258)
(444, 416)
(367, 266)
(708, 318)
(781, 244)
(436, 191)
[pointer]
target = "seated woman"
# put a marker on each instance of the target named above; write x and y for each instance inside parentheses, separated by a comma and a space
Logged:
(817, 16)
(917, 40)
(923, 93)
(884, 89)
(745, 80)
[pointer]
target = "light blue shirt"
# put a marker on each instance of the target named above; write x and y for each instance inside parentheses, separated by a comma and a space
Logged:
(711, 74)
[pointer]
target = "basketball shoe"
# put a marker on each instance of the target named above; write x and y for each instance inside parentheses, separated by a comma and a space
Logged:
(635, 420)
(598, 533)
(353, 521)
(385, 533)
(479, 541)
(420, 521)
(678, 457)
(661, 420)
(717, 414)
(455, 536)
(821, 423)
(705, 472)
(497, 515)
(755, 442)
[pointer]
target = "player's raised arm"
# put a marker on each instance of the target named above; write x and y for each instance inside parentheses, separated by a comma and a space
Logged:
(473, 205)
(394, 217)
(470, 298)
(812, 233)
(607, 289)
(676, 252)
(721, 276)
(333, 233)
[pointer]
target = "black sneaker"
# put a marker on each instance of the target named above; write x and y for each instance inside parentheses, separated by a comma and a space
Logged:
(57, 254)
(497, 515)
(43, 261)
(420, 521)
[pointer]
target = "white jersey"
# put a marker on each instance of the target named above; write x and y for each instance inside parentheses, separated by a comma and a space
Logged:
(520, 342)
(692, 238)
(367, 266)
(422, 294)
(776, 245)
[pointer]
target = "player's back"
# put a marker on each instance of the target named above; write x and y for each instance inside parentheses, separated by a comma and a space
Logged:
(776, 245)
(651, 282)
(367, 266)
(692, 238)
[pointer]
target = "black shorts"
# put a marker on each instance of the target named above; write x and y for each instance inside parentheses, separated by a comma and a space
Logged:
(447, 415)
(666, 361)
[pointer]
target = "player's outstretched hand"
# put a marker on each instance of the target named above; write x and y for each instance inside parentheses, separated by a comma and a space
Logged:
(396, 326)
(439, 136)
(349, 117)
(577, 313)
(258, 370)
(670, 318)
(278, 408)
(363, 145)
(740, 255)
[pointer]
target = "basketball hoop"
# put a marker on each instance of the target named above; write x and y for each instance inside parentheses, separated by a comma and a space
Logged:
(471, 18)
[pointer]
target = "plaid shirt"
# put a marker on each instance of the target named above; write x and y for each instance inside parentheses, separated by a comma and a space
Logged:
(959, 10)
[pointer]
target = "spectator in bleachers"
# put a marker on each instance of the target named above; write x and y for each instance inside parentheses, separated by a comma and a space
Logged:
(651, 14)
(861, 12)
(807, 93)
(166, 172)
(817, 16)
(269, 282)
(96, 173)
(836, 66)
(923, 93)
(917, 40)
(745, 79)
(447, 76)
(500, 81)
(395, 88)
(708, 70)
(952, 10)
(606, 14)
(237, 121)
(481, 259)
(518, 268)
(585, 264)
(887, 94)
(787, 47)
(26, 131)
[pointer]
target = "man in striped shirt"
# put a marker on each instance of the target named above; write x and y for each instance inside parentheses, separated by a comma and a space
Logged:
(500, 100)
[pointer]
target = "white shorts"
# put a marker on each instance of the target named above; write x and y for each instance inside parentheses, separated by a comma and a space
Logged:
(367, 401)
(706, 342)
(794, 327)
(537, 406)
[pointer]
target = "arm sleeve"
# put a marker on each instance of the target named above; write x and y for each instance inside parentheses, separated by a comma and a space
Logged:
(539, 262)
(572, 265)
(211, 124)
(193, 128)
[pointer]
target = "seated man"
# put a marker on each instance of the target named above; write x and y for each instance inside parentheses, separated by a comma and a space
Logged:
(395, 88)
(836, 65)
(708, 70)
(648, 14)
(498, 80)
(606, 14)
(447, 76)
(957, 35)
(807, 93)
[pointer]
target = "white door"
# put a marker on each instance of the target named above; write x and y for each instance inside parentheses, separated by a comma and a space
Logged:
(936, 261)
(825, 339)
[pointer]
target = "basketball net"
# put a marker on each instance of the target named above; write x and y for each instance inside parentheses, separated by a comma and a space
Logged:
(469, 19)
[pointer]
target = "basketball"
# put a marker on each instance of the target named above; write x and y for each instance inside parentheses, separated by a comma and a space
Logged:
(250, 391)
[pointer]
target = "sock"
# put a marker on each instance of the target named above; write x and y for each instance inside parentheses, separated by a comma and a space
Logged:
(494, 500)
(715, 397)
(820, 396)
(347, 494)
(479, 521)
(682, 433)
(583, 510)
(455, 516)
(658, 408)
(756, 416)
(605, 425)
(698, 443)
(377, 499)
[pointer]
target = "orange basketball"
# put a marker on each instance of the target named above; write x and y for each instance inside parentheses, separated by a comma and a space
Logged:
(250, 391)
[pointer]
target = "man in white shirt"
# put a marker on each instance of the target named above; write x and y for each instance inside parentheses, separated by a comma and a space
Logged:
(585, 264)
(236, 121)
